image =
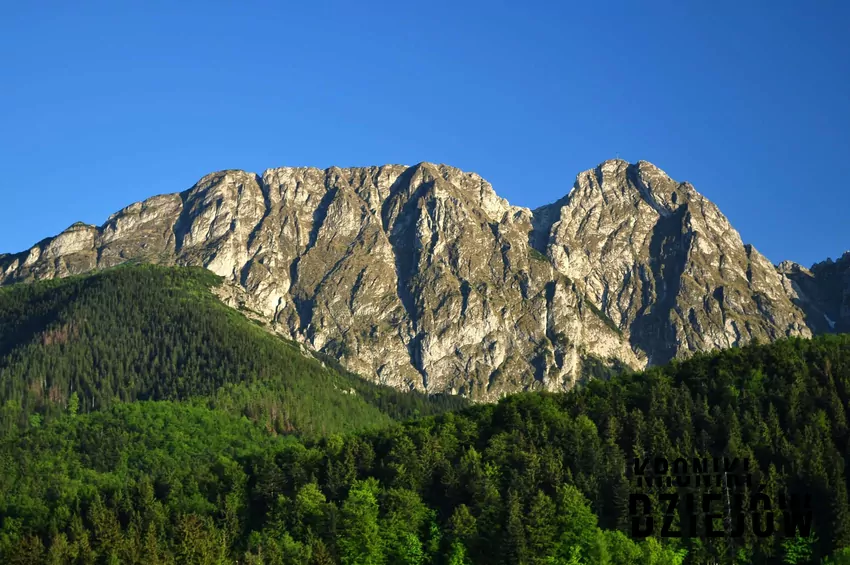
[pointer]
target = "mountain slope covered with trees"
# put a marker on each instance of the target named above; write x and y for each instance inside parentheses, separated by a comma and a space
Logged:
(140, 332)
(536, 478)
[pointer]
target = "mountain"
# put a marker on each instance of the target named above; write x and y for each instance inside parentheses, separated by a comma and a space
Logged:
(664, 264)
(823, 292)
(142, 332)
(423, 278)
(536, 478)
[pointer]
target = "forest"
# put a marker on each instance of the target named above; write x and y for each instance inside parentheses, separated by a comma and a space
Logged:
(141, 332)
(144, 422)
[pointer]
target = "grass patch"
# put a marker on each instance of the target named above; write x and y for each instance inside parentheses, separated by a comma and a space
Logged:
(536, 255)
(605, 319)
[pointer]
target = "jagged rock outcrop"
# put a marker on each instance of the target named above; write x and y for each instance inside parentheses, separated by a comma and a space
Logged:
(663, 263)
(822, 292)
(422, 277)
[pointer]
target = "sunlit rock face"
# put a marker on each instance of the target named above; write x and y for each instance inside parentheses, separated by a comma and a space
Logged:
(424, 278)
(663, 263)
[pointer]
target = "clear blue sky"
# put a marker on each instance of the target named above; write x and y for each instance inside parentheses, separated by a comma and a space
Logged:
(103, 104)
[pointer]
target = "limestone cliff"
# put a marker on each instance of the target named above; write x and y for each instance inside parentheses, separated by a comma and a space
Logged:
(422, 277)
(663, 263)
(822, 292)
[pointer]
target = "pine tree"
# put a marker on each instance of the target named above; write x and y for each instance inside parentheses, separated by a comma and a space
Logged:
(541, 528)
(513, 543)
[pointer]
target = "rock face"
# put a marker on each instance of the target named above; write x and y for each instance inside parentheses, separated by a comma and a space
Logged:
(422, 277)
(663, 263)
(822, 292)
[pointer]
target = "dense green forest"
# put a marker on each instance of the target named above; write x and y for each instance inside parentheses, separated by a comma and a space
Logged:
(133, 460)
(141, 332)
(165, 482)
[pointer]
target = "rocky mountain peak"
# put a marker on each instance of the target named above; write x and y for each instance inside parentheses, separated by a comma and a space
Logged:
(790, 267)
(822, 292)
(663, 263)
(423, 277)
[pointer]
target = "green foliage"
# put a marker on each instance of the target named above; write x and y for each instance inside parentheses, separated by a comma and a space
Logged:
(151, 482)
(536, 255)
(840, 557)
(360, 542)
(205, 476)
(152, 333)
(798, 550)
(601, 315)
(74, 404)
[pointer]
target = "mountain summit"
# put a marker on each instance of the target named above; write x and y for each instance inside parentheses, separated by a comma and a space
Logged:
(664, 263)
(424, 278)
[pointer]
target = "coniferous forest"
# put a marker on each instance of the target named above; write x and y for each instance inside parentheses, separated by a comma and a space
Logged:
(151, 333)
(141, 421)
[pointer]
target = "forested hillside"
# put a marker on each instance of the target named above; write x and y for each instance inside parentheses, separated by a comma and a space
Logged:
(141, 332)
(537, 478)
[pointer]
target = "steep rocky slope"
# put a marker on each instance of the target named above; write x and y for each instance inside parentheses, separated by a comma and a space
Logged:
(422, 277)
(663, 263)
(823, 292)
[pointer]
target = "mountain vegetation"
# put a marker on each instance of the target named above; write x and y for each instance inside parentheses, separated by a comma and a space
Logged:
(144, 422)
(141, 332)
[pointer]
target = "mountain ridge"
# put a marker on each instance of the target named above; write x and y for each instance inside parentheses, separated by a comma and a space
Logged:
(423, 277)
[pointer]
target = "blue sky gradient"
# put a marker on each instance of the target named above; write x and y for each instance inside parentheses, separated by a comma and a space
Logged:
(103, 104)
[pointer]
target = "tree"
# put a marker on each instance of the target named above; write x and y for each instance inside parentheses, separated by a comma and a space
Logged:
(309, 511)
(541, 527)
(840, 557)
(513, 543)
(405, 521)
(798, 550)
(457, 554)
(29, 551)
(73, 404)
(59, 552)
(579, 536)
(462, 524)
(360, 542)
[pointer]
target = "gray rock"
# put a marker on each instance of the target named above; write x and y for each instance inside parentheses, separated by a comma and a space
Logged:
(423, 278)
(822, 292)
(663, 263)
